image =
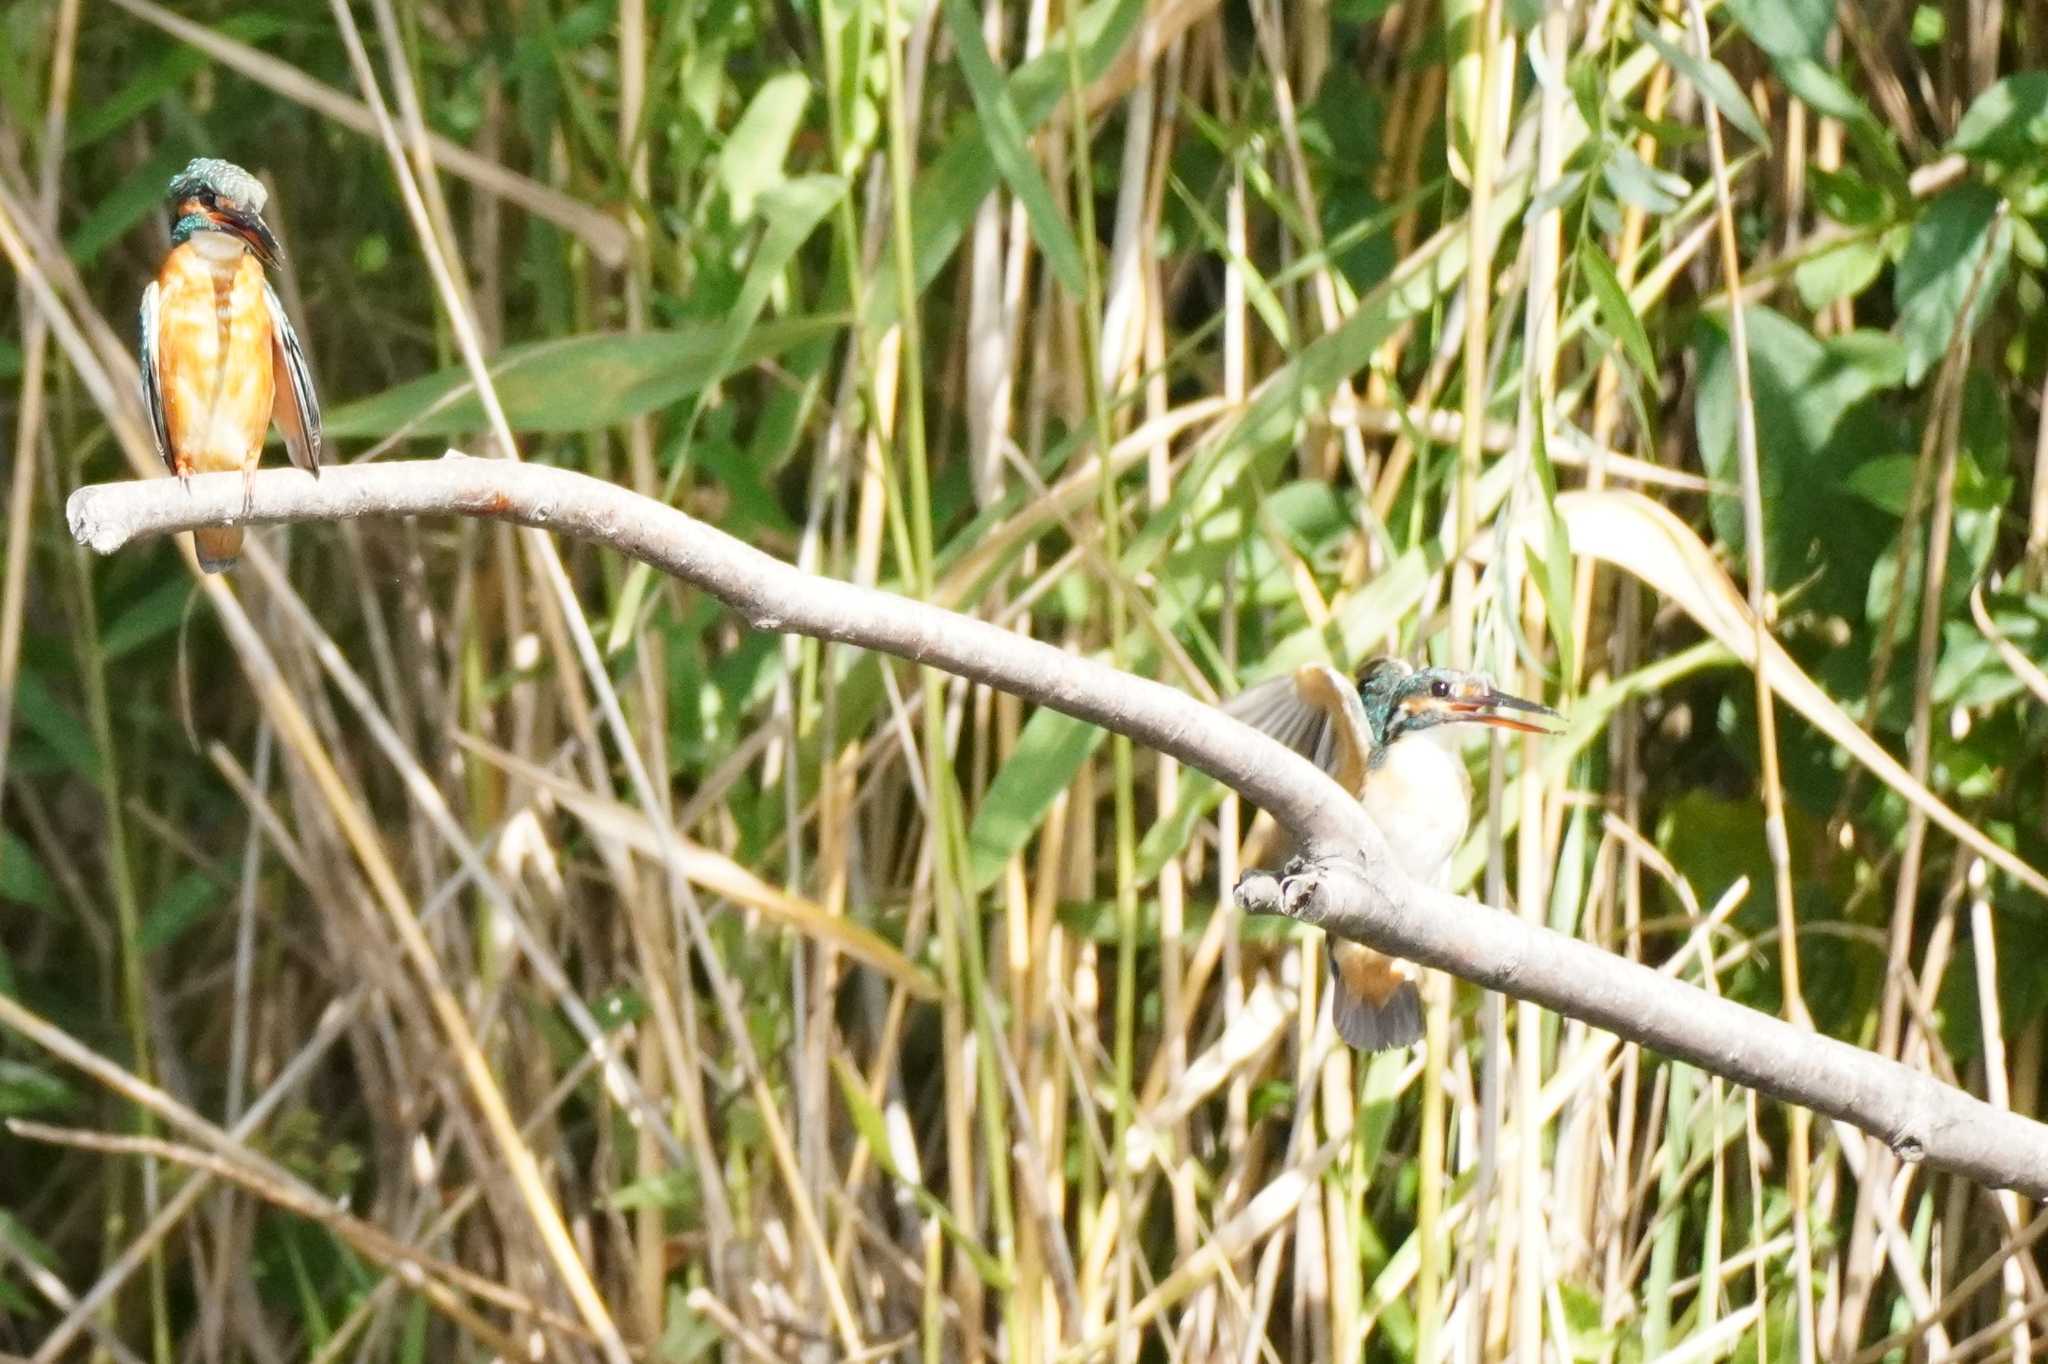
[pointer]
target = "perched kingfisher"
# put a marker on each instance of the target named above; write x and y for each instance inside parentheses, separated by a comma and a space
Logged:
(1385, 739)
(220, 361)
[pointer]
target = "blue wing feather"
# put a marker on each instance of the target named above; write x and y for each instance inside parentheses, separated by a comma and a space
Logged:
(297, 408)
(152, 378)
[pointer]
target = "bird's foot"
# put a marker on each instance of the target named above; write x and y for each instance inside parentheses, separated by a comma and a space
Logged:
(1289, 892)
(1258, 892)
(248, 490)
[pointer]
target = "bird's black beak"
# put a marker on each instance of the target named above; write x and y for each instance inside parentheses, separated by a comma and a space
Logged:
(251, 228)
(1483, 703)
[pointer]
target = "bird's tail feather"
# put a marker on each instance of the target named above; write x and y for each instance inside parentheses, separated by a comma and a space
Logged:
(217, 547)
(1375, 1003)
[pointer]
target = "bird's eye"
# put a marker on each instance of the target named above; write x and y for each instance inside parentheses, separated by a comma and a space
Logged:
(1439, 688)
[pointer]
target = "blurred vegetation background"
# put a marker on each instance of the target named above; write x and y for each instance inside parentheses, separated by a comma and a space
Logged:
(633, 977)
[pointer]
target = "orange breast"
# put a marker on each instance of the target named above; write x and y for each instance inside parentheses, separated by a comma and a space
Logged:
(213, 353)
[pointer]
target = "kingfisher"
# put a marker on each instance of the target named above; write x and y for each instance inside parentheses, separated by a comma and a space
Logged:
(1386, 738)
(220, 361)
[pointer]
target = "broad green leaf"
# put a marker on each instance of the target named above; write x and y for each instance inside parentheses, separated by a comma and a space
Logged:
(685, 1336)
(182, 904)
(1885, 482)
(139, 194)
(22, 878)
(26, 1089)
(1850, 200)
(50, 720)
(1711, 79)
(1939, 270)
(1004, 130)
(1815, 422)
(1049, 752)
(1840, 272)
(152, 617)
(751, 160)
(1635, 181)
(1825, 92)
(2007, 123)
(577, 383)
(1787, 28)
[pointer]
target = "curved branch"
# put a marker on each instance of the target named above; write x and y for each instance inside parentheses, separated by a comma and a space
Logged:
(1349, 887)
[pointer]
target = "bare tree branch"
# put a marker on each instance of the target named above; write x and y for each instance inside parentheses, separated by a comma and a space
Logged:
(1347, 884)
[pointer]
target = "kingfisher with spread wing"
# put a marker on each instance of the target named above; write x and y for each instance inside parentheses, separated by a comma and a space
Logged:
(1382, 738)
(220, 361)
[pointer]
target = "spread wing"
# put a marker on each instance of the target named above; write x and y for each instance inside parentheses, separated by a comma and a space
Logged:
(1315, 711)
(152, 378)
(296, 408)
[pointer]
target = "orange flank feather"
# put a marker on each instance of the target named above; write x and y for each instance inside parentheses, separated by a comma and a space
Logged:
(214, 342)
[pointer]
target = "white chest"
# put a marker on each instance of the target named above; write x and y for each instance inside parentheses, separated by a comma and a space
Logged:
(1421, 798)
(219, 250)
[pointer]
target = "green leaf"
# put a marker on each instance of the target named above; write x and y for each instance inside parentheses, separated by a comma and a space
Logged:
(1049, 752)
(1826, 92)
(751, 160)
(685, 1336)
(791, 210)
(154, 616)
(140, 193)
(183, 903)
(1615, 309)
(1840, 272)
(1635, 181)
(27, 1089)
(1003, 129)
(1816, 421)
(1787, 28)
(22, 878)
(577, 383)
(1885, 482)
(1930, 26)
(2007, 123)
(168, 76)
(672, 1189)
(52, 721)
(1850, 200)
(1711, 79)
(1939, 268)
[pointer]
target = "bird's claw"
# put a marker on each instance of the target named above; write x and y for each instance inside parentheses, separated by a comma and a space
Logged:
(1258, 892)
(1290, 892)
